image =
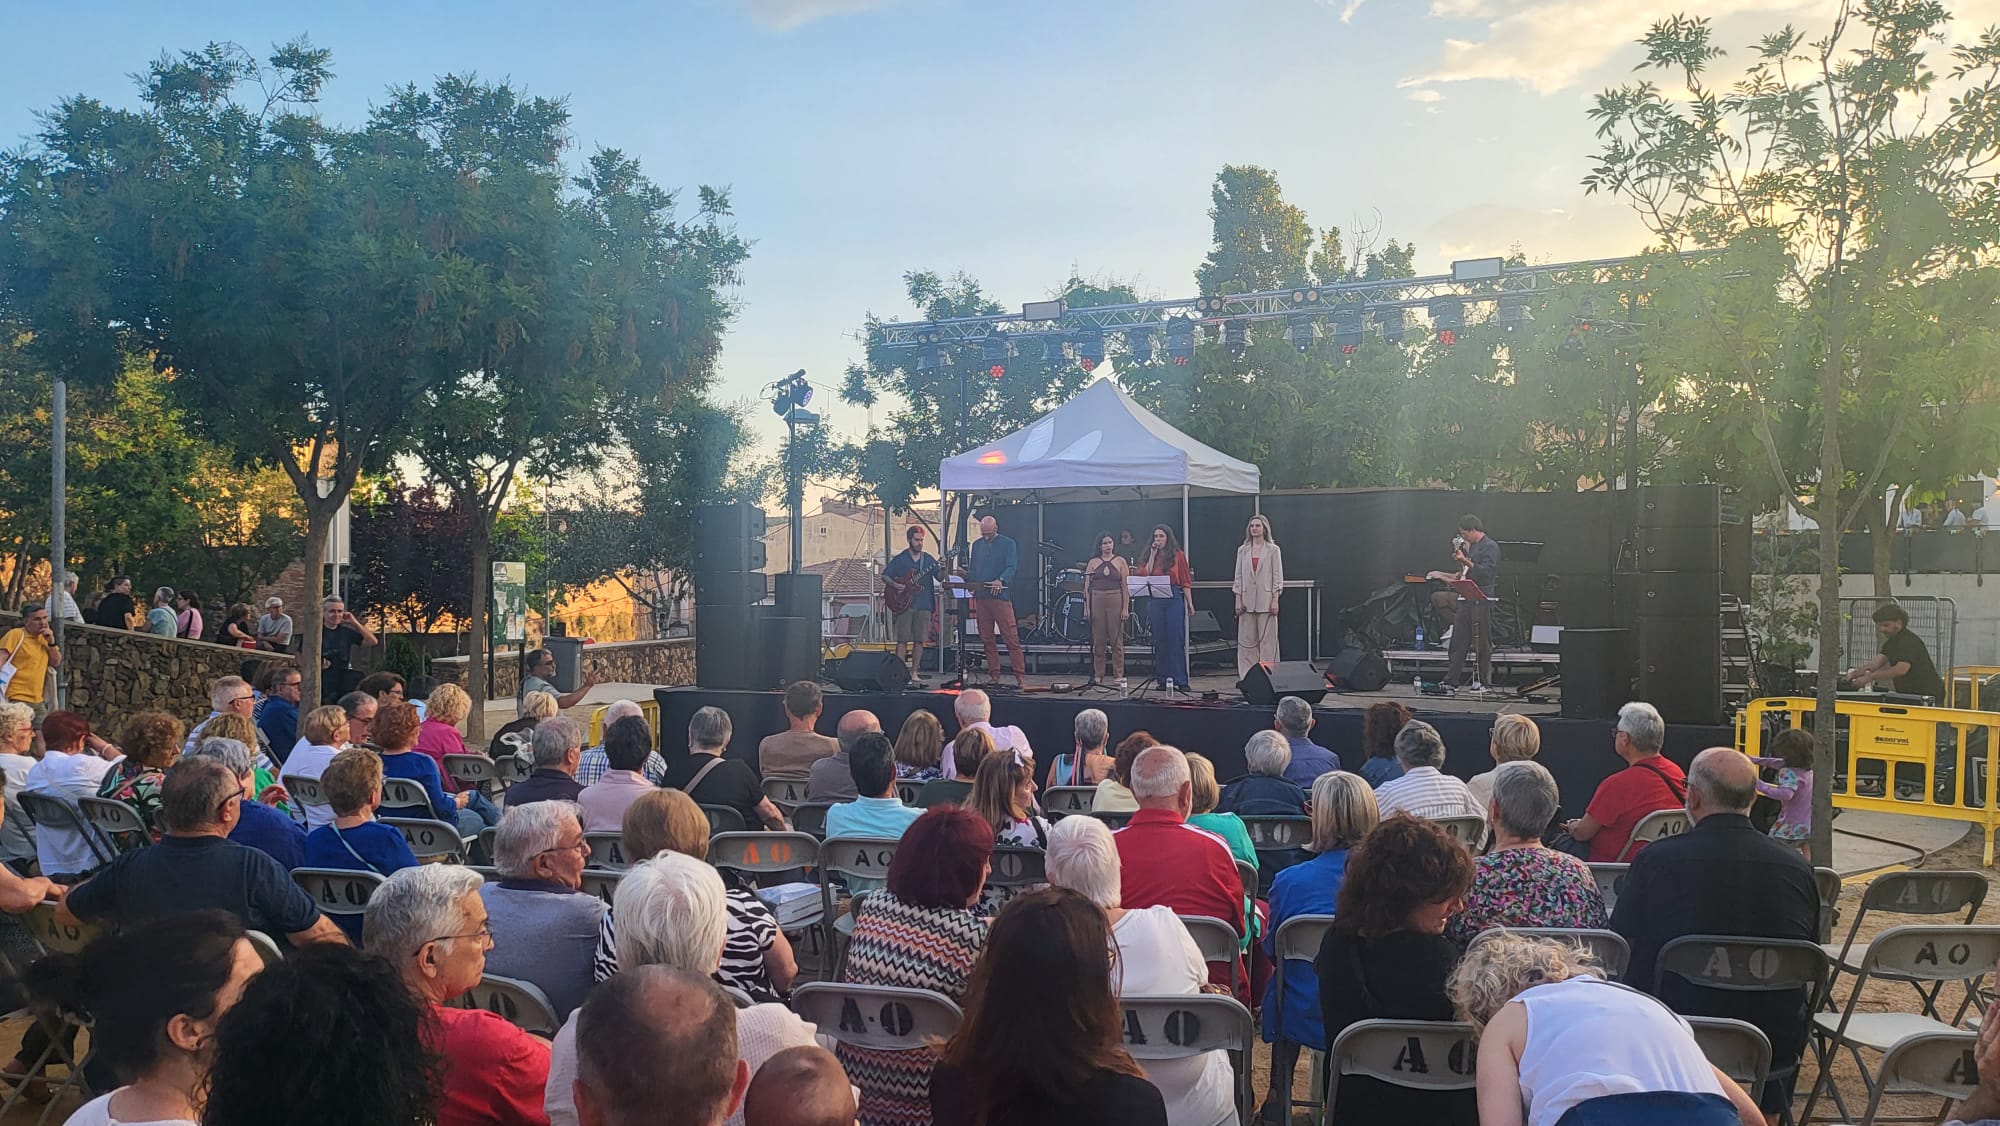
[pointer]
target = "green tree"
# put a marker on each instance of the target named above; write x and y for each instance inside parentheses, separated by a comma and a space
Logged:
(1856, 214)
(1261, 241)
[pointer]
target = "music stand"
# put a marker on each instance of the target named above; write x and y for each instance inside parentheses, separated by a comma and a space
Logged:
(1467, 589)
(1149, 586)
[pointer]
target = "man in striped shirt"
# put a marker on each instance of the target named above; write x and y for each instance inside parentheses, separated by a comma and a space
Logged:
(1424, 790)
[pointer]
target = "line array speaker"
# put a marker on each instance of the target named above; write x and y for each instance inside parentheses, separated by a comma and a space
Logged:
(1596, 672)
(1680, 666)
(1680, 506)
(1680, 549)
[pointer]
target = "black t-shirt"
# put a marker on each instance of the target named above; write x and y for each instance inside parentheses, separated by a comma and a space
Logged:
(182, 874)
(731, 783)
(1923, 678)
(113, 611)
(1105, 1099)
(336, 644)
(1391, 977)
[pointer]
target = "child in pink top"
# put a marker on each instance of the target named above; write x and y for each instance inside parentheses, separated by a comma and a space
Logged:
(1792, 754)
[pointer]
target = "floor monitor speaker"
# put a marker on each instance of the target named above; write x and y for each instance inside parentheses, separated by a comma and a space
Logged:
(1262, 685)
(870, 670)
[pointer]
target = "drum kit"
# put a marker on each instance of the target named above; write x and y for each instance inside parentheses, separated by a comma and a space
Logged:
(1059, 617)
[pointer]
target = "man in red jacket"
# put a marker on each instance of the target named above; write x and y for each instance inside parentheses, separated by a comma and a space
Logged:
(1164, 860)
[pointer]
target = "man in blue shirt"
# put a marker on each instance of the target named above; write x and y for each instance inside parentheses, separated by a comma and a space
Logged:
(912, 575)
(878, 813)
(1294, 720)
(990, 571)
(278, 719)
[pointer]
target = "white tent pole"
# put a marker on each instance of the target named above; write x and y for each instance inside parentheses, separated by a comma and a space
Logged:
(1187, 619)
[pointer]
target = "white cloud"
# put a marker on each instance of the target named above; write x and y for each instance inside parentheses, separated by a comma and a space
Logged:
(1347, 13)
(1426, 95)
(784, 15)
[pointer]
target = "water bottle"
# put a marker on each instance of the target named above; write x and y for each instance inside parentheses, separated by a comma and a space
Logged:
(1420, 635)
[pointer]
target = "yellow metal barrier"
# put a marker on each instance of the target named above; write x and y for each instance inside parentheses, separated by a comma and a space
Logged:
(1962, 690)
(648, 708)
(1926, 762)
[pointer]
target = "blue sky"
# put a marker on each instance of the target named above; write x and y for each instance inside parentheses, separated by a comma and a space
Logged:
(863, 138)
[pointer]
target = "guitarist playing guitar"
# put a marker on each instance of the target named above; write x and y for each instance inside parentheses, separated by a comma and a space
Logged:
(909, 585)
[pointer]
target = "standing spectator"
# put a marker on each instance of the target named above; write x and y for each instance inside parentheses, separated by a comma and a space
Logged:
(64, 600)
(791, 752)
(1515, 739)
(541, 671)
(922, 932)
(1167, 861)
(1047, 967)
(876, 813)
(160, 620)
(239, 627)
(29, 651)
(1424, 789)
(340, 632)
(280, 718)
(967, 752)
(831, 779)
(1649, 782)
(558, 745)
(152, 746)
(1522, 882)
(260, 827)
(592, 765)
(1723, 877)
(657, 1038)
(1343, 814)
(438, 735)
(1379, 726)
(354, 841)
(274, 627)
(1114, 792)
(1793, 757)
(544, 925)
(1264, 792)
(1386, 958)
(1293, 718)
(430, 923)
(920, 748)
(187, 623)
(115, 609)
(1155, 956)
(396, 734)
(73, 766)
(1954, 517)
(705, 774)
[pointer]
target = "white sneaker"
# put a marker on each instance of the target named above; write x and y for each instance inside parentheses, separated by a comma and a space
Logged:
(1121, 684)
(1475, 688)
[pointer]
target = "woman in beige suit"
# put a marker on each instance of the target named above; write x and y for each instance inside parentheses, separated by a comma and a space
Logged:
(1260, 579)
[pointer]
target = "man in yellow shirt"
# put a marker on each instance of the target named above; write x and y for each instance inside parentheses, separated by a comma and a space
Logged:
(31, 651)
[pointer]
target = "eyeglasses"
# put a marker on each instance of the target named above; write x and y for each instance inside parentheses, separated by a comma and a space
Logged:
(240, 699)
(485, 931)
(581, 845)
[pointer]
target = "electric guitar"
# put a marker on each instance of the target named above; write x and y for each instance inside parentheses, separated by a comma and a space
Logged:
(897, 594)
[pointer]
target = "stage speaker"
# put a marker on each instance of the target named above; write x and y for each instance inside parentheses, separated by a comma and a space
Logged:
(728, 646)
(729, 588)
(1358, 669)
(1204, 627)
(1680, 666)
(1680, 549)
(868, 670)
(797, 596)
(727, 537)
(791, 650)
(1583, 601)
(1680, 506)
(1680, 593)
(1289, 678)
(1596, 672)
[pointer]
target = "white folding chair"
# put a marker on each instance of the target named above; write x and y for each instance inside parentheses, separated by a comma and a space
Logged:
(881, 1017)
(1908, 893)
(511, 769)
(1926, 1063)
(1607, 947)
(601, 882)
(724, 819)
(1610, 882)
(307, 791)
(268, 950)
(1659, 824)
(1730, 964)
(1113, 820)
(849, 858)
(1218, 942)
(810, 818)
(429, 839)
(785, 792)
(1424, 1055)
(769, 853)
(522, 1003)
(62, 815)
(472, 771)
(1061, 801)
(1183, 1025)
(489, 843)
(1468, 830)
(1015, 869)
(1280, 842)
(1828, 882)
(907, 791)
(1298, 939)
(338, 892)
(607, 850)
(118, 821)
(60, 1025)
(404, 798)
(1737, 1048)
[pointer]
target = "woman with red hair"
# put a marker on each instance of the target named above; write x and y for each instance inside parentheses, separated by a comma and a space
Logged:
(921, 932)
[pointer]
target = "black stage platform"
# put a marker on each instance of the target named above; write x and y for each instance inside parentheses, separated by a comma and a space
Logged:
(1577, 751)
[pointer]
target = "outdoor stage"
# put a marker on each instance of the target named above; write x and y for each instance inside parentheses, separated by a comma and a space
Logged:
(1577, 751)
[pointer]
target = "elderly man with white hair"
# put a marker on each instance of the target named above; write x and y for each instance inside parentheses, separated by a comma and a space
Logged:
(260, 827)
(1156, 956)
(1425, 790)
(591, 767)
(430, 923)
(1168, 862)
(974, 708)
(673, 911)
(1264, 792)
(1293, 719)
(557, 744)
(544, 926)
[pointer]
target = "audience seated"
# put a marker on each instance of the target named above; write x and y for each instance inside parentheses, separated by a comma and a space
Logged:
(710, 779)
(1293, 719)
(73, 765)
(360, 708)
(1522, 882)
(1424, 789)
(230, 695)
(922, 932)
(968, 751)
(1228, 826)
(626, 745)
(802, 1086)
(1264, 792)
(323, 733)
(673, 911)
(1722, 876)
(387, 688)
(1042, 1041)
(327, 1037)
(354, 841)
(756, 955)
(1649, 782)
(974, 708)
(544, 925)
(830, 779)
(871, 764)
(1559, 1042)
(196, 866)
(1089, 761)
(1386, 958)
(264, 770)
(155, 993)
(658, 1044)
(592, 764)
(514, 737)
(558, 746)
(920, 748)
(1378, 741)
(260, 826)
(396, 728)
(438, 735)
(1155, 956)
(17, 742)
(430, 923)
(1343, 813)
(1003, 792)
(1515, 739)
(791, 752)
(1168, 862)
(152, 744)
(1114, 793)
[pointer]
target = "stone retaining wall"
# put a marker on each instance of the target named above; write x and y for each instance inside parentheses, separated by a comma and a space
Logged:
(108, 675)
(669, 661)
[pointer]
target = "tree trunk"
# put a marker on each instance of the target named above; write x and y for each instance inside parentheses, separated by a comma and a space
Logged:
(319, 524)
(1881, 537)
(482, 583)
(1831, 473)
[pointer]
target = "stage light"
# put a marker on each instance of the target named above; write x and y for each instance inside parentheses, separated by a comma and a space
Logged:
(1392, 325)
(1236, 338)
(1139, 345)
(1090, 348)
(1447, 337)
(997, 371)
(1447, 319)
(1348, 327)
(1180, 340)
(790, 393)
(1052, 351)
(993, 349)
(1349, 349)
(1307, 296)
(1300, 333)
(1513, 313)
(1210, 306)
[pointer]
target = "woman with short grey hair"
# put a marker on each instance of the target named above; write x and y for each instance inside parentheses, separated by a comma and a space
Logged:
(1522, 882)
(1264, 792)
(1156, 955)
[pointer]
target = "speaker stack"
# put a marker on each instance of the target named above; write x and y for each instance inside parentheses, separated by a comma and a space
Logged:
(1678, 591)
(729, 637)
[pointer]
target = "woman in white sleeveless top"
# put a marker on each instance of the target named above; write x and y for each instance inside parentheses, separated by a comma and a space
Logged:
(1555, 1038)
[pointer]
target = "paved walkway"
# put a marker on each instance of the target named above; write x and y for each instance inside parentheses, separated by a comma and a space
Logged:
(1865, 841)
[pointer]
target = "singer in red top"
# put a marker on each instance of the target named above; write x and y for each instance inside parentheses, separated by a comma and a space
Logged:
(1165, 860)
(1167, 616)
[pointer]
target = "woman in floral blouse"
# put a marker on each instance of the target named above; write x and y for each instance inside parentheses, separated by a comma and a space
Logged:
(920, 748)
(152, 744)
(1523, 883)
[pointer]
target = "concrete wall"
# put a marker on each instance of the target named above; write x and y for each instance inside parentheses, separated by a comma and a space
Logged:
(667, 662)
(108, 675)
(1977, 603)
